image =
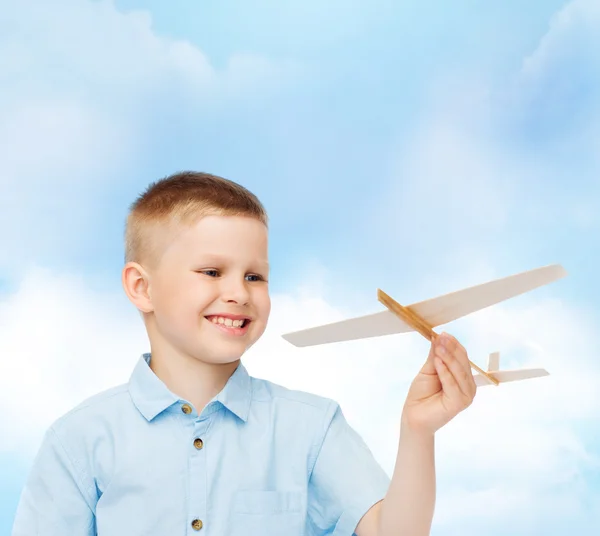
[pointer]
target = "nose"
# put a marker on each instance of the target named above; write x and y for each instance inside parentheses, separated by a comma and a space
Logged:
(235, 290)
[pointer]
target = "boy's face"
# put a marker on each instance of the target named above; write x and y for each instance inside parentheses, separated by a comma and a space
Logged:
(209, 273)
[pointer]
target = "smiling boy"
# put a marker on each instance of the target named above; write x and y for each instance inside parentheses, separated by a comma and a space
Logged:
(194, 445)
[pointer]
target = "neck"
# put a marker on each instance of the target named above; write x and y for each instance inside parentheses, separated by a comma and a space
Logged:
(189, 378)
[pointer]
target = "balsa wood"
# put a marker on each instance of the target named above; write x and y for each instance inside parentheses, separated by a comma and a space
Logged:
(435, 311)
(418, 324)
(425, 315)
(454, 305)
(504, 376)
(493, 362)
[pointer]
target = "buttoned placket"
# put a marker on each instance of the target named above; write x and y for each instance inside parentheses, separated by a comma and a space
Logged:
(198, 427)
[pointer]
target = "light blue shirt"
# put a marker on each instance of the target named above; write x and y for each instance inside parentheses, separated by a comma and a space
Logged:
(260, 459)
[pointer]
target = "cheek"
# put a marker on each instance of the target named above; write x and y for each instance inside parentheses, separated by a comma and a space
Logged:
(264, 303)
(181, 300)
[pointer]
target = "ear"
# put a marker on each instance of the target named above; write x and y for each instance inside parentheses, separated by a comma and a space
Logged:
(136, 283)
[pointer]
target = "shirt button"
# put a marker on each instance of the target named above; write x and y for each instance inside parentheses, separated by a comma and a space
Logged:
(198, 443)
(186, 408)
(196, 524)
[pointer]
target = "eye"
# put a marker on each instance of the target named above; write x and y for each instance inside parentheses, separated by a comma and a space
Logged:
(257, 276)
(215, 273)
(210, 273)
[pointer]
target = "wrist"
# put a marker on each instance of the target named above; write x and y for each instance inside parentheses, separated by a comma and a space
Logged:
(414, 431)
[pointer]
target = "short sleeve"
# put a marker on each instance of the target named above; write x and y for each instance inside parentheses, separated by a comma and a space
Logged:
(54, 501)
(346, 480)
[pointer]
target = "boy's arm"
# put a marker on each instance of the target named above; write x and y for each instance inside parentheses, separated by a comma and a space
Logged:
(345, 480)
(55, 500)
(408, 506)
(443, 388)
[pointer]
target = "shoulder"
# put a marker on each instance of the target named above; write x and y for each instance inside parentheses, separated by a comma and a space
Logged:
(292, 400)
(97, 406)
(99, 401)
(294, 411)
(79, 442)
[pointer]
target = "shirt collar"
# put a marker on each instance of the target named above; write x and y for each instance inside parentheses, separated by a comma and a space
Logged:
(151, 396)
(237, 393)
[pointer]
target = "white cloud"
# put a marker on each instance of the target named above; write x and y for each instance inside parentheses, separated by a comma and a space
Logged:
(81, 69)
(450, 180)
(516, 453)
(60, 342)
(572, 37)
(517, 460)
(467, 201)
(556, 93)
(515, 449)
(487, 164)
(85, 87)
(84, 48)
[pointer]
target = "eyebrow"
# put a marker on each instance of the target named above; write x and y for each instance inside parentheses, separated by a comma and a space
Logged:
(211, 257)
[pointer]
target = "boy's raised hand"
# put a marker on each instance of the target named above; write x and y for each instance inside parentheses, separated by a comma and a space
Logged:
(443, 388)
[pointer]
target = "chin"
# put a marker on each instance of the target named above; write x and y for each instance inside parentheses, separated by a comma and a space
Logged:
(225, 360)
(222, 358)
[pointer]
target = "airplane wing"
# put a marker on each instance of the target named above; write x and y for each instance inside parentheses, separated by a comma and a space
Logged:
(510, 376)
(435, 311)
(361, 327)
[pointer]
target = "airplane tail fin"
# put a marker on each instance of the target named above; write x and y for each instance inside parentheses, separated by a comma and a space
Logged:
(506, 375)
(493, 362)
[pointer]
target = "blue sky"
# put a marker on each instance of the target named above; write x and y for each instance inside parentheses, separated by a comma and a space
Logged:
(408, 146)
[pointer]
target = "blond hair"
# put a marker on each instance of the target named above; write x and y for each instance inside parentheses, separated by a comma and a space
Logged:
(179, 200)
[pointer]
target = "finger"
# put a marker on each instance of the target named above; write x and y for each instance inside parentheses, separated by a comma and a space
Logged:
(449, 383)
(461, 353)
(453, 346)
(429, 366)
(463, 376)
(458, 350)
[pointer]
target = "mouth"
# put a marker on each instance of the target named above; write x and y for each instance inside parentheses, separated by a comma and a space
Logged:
(232, 324)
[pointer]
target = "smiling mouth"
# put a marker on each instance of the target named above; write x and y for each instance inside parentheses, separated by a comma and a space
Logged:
(228, 322)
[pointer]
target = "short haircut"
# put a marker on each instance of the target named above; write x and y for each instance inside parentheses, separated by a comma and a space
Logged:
(180, 200)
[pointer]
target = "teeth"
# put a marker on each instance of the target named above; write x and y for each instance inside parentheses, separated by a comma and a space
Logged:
(226, 321)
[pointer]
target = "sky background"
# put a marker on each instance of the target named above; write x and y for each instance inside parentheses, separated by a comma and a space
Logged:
(411, 146)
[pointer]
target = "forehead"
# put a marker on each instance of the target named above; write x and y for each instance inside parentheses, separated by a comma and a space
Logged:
(221, 238)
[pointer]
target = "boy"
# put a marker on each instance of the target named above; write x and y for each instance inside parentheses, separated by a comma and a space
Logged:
(192, 444)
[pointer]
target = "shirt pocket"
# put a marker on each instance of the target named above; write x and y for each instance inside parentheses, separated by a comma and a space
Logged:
(267, 513)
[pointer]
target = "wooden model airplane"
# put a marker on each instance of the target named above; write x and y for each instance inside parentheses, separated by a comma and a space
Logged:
(425, 315)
